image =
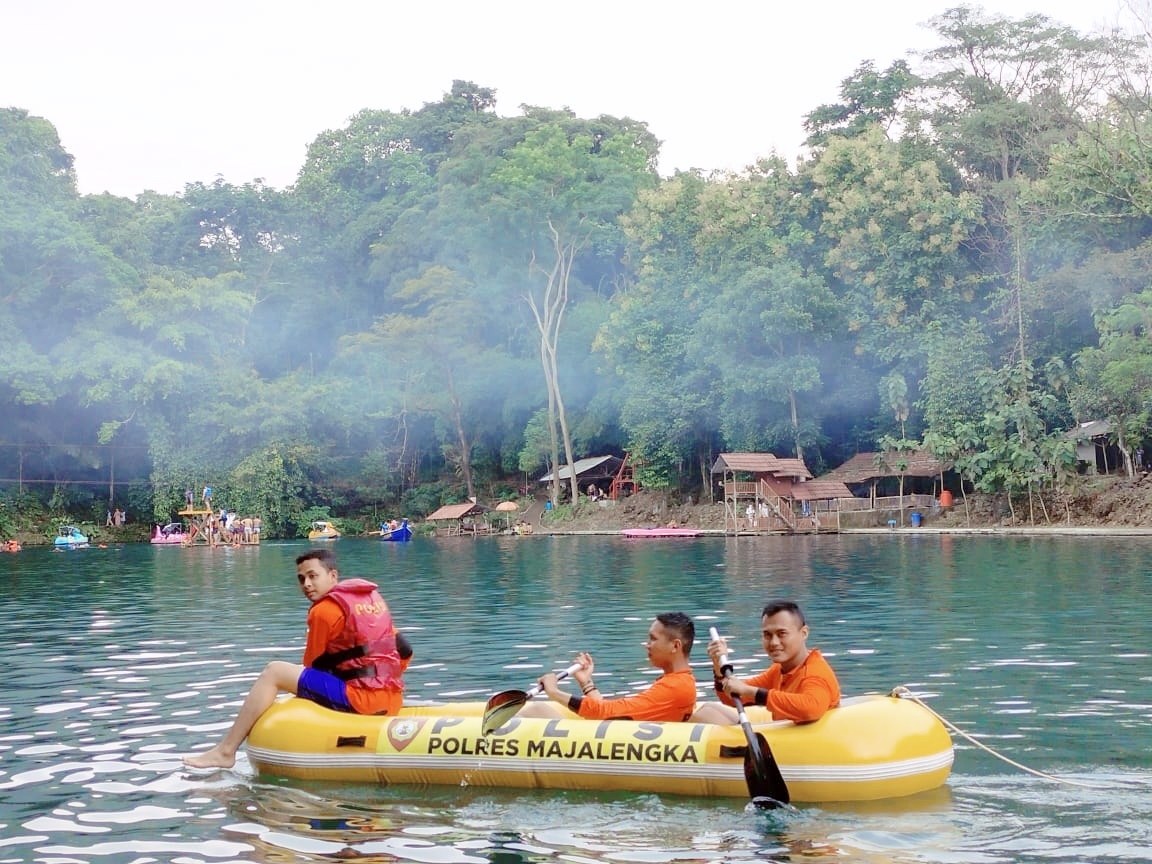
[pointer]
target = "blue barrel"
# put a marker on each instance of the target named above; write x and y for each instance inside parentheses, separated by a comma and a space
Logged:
(916, 517)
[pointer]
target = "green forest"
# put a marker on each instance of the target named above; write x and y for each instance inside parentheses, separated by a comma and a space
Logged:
(447, 302)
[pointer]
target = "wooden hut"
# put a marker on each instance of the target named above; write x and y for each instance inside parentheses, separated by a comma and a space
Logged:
(868, 469)
(459, 520)
(765, 492)
(602, 472)
(1094, 446)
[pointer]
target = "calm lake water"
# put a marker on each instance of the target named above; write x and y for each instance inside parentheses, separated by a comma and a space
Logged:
(119, 660)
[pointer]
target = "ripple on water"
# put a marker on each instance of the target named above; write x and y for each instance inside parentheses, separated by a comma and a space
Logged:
(113, 851)
(102, 728)
(60, 707)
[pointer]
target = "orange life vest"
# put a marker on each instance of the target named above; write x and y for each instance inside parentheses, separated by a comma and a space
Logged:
(365, 653)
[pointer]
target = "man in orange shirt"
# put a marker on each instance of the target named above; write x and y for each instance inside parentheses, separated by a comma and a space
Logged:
(354, 659)
(798, 686)
(671, 697)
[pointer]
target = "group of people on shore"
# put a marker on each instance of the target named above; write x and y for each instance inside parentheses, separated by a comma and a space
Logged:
(355, 658)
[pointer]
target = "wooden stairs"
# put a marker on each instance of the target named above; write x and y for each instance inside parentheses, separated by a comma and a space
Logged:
(624, 483)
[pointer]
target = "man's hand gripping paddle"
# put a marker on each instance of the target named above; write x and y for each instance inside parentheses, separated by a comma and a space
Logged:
(503, 706)
(765, 782)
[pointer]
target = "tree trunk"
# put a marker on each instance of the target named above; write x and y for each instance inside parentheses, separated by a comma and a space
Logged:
(1122, 446)
(461, 436)
(565, 434)
(549, 315)
(1018, 255)
(795, 425)
(553, 440)
(1043, 506)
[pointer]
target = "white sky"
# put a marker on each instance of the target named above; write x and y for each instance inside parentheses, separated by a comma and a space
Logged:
(153, 94)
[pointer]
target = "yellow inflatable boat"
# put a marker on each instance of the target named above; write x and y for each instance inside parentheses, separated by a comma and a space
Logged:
(871, 747)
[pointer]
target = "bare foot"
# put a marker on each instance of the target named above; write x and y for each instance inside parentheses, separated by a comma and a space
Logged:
(213, 758)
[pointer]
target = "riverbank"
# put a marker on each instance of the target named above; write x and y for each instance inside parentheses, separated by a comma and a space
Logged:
(97, 536)
(1098, 505)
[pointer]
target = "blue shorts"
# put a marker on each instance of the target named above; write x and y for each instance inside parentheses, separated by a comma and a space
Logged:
(323, 688)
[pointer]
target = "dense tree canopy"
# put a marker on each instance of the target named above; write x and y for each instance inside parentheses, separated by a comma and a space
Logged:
(447, 299)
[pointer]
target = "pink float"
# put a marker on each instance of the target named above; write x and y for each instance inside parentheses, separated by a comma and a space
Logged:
(660, 532)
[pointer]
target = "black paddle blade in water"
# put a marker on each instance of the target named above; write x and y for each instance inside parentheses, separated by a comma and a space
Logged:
(766, 784)
(768, 804)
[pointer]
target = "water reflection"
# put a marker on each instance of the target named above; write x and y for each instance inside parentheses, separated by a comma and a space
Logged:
(492, 825)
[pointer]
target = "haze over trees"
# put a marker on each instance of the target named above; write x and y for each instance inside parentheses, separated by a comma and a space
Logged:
(447, 297)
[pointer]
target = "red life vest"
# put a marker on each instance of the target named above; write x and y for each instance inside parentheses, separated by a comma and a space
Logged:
(364, 654)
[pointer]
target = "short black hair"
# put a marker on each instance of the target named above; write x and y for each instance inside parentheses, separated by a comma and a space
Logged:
(777, 606)
(325, 556)
(682, 628)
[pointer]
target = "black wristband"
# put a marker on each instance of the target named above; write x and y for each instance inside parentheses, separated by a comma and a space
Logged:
(574, 704)
(761, 696)
(719, 683)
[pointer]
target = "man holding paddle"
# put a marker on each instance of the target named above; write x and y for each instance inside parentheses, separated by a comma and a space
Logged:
(798, 686)
(672, 697)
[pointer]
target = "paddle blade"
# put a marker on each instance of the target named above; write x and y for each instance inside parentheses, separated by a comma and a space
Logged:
(766, 784)
(501, 708)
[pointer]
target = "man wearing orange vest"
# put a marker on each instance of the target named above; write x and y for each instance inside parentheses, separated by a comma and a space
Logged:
(354, 659)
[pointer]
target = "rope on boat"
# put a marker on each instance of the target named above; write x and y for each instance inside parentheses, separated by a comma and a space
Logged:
(903, 692)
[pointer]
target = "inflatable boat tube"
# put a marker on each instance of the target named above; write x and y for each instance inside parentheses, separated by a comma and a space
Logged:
(872, 747)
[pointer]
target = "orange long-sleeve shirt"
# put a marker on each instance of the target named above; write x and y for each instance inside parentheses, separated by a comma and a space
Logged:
(802, 695)
(325, 622)
(672, 697)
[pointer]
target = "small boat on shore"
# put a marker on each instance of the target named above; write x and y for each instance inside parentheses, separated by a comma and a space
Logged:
(661, 532)
(172, 534)
(324, 531)
(70, 537)
(871, 747)
(398, 534)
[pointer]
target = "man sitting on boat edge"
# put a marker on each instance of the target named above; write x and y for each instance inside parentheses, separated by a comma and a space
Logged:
(672, 697)
(798, 686)
(354, 659)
